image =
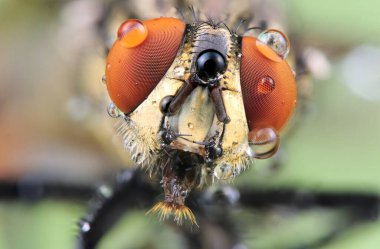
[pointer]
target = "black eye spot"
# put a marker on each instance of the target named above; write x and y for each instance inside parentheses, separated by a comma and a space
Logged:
(210, 63)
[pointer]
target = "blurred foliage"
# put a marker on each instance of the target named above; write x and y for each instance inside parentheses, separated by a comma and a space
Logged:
(46, 224)
(336, 22)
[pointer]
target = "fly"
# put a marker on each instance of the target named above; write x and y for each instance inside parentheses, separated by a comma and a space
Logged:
(199, 101)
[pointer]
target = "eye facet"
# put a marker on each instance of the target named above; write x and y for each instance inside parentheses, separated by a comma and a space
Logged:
(273, 44)
(210, 63)
(268, 88)
(140, 58)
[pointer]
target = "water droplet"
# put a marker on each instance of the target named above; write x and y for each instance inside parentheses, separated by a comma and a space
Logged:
(104, 80)
(113, 111)
(105, 191)
(154, 103)
(264, 142)
(139, 158)
(129, 144)
(179, 71)
(273, 44)
(85, 226)
(132, 33)
(249, 152)
(190, 125)
(265, 85)
(223, 171)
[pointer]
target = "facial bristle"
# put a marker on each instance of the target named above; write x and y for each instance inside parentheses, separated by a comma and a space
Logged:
(180, 213)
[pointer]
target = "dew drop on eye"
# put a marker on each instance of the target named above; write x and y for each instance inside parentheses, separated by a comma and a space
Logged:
(132, 33)
(265, 85)
(264, 143)
(113, 111)
(273, 44)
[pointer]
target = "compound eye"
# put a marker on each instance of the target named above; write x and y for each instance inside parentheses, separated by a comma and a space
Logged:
(268, 85)
(209, 64)
(139, 59)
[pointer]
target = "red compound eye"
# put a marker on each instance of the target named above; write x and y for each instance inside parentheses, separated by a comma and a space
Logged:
(268, 86)
(140, 58)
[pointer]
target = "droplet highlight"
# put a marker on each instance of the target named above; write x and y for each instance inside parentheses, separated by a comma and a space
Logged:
(132, 33)
(105, 191)
(113, 111)
(264, 142)
(190, 125)
(179, 72)
(223, 172)
(85, 226)
(273, 44)
(266, 85)
(138, 158)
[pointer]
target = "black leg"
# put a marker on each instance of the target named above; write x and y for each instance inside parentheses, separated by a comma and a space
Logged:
(301, 199)
(131, 191)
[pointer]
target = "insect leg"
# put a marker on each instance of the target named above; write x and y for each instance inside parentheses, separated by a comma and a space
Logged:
(131, 191)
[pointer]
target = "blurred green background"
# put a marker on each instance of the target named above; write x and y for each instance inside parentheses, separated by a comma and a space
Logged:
(52, 108)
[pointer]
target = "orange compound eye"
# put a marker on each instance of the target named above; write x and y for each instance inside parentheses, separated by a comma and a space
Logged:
(268, 87)
(140, 58)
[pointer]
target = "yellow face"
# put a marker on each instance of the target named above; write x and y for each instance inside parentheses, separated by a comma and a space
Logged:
(194, 127)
